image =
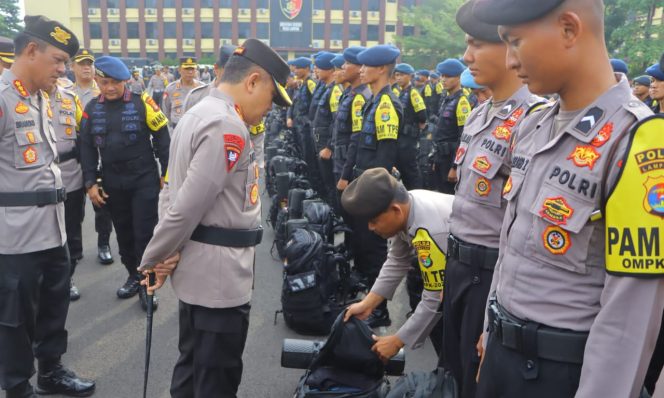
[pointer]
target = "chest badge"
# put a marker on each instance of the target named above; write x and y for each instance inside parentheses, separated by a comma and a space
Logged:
(482, 187)
(30, 155)
(584, 156)
(556, 210)
(30, 136)
(21, 108)
(508, 186)
(68, 131)
(556, 240)
(253, 194)
(653, 202)
(482, 164)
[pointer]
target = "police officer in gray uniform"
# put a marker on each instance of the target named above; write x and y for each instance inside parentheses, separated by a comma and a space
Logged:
(172, 103)
(6, 53)
(157, 85)
(417, 224)
(559, 324)
(34, 261)
(483, 166)
(214, 220)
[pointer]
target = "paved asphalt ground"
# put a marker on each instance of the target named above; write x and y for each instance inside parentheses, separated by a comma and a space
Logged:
(107, 335)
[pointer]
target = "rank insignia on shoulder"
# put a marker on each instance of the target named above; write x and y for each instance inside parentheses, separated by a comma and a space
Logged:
(556, 240)
(584, 156)
(556, 210)
(20, 88)
(589, 120)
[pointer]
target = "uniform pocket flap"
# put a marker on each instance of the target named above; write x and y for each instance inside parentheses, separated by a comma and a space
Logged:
(562, 209)
(28, 137)
(485, 163)
(67, 120)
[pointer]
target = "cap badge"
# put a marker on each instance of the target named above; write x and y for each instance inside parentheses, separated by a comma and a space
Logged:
(60, 35)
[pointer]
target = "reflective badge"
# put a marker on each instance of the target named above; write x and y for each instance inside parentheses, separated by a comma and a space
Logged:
(233, 145)
(653, 201)
(556, 240)
(30, 155)
(508, 186)
(153, 105)
(482, 164)
(431, 259)
(21, 108)
(20, 88)
(253, 194)
(603, 135)
(30, 136)
(482, 186)
(68, 130)
(650, 160)
(556, 210)
(584, 156)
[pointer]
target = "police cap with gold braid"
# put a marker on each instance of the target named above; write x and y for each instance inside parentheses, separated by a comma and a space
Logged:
(370, 194)
(188, 62)
(6, 50)
(52, 32)
(84, 54)
(474, 27)
(513, 12)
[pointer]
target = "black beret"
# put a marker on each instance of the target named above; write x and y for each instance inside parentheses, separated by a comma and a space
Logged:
(6, 50)
(370, 194)
(225, 53)
(52, 32)
(260, 54)
(512, 12)
(474, 27)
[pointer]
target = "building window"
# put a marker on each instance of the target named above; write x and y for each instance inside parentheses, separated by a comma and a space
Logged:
(134, 55)
(112, 3)
(263, 30)
(170, 30)
(95, 30)
(207, 30)
(354, 31)
(131, 3)
(226, 30)
(243, 30)
(262, 4)
(319, 4)
(93, 3)
(187, 3)
(390, 28)
(226, 3)
(132, 30)
(373, 5)
(336, 31)
(114, 30)
(151, 30)
(206, 4)
(337, 4)
(372, 32)
(319, 31)
(408, 30)
(169, 3)
(244, 4)
(150, 3)
(188, 30)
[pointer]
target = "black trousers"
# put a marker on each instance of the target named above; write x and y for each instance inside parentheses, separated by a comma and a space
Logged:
(211, 344)
(369, 251)
(103, 225)
(657, 361)
(134, 215)
(309, 155)
(441, 184)
(34, 301)
(424, 164)
(464, 305)
(407, 162)
(502, 375)
(74, 213)
(328, 183)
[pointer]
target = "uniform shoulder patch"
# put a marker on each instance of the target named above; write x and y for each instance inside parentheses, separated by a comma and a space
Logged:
(417, 101)
(154, 117)
(311, 86)
(386, 119)
(257, 129)
(357, 116)
(233, 147)
(463, 110)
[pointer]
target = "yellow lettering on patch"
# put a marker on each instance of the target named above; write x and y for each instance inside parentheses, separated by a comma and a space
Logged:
(431, 259)
(154, 117)
(387, 120)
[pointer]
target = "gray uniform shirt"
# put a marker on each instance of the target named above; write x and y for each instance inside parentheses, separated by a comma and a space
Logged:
(66, 114)
(157, 83)
(551, 267)
(172, 104)
(85, 95)
(213, 180)
(136, 85)
(429, 211)
(27, 154)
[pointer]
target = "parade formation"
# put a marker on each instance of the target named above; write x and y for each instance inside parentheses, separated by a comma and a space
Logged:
(516, 191)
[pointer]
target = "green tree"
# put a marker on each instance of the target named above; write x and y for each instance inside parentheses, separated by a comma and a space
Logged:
(437, 36)
(632, 32)
(10, 24)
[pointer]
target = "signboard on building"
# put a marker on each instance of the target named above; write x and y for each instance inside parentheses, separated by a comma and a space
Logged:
(290, 23)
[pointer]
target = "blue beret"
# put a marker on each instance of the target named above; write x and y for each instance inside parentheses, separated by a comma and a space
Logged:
(379, 55)
(338, 61)
(619, 65)
(423, 72)
(350, 54)
(404, 68)
(655, 71)
(434, 75)
(512, 12)
(467, 80)
(642, 80)
(450, 67)
(301, 62)
(112, 67)
(324, 60)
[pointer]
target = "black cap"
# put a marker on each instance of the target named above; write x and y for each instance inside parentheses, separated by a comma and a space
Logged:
(6, 50)
(52, 32)
(84, 54)
(370, 194)
(474, 27)
(188, 62)
(225, 53)
(260, 54)
(512, 12)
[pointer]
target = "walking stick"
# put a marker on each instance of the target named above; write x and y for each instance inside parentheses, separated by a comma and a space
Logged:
(148, 332)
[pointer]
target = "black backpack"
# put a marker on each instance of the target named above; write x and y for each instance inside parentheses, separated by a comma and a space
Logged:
(438, 384)
(345, 366)
(321, 220)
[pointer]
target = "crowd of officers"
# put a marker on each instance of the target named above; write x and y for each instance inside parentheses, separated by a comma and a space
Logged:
(526, 154)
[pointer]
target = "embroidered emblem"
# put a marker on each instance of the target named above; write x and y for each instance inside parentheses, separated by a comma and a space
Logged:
(603, 135)
(30, 136)
(482, 164)
(556, 210)
(20, 88)
(233, 145)
(30, 155)
(653, 202)
(253, 194)
(556, 240)
(584, 156)
(482, 187)
(21, 108)
(508, 186)
(61, 35)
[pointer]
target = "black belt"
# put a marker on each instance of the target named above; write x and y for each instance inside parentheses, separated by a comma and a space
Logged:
(73, 154)
(227, 237)
(534, 339)
(36, 198)
(470, 254)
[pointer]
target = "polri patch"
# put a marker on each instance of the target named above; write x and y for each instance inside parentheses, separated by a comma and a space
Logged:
(556, 240)
(233, 146)
(482, 164)
(30, 155)
(556, 210)
(482, 187)
(584, 156)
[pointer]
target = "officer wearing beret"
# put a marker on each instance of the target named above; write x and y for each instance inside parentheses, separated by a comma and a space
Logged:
(414, 120)
(417, 224)
(6, 53)
(640, 88)
(452, 114)
(214, 220)
(34, 260)
(124, 131)
(656, 87)
(483, 164)
(86, 89)
(438, 90)
(172, 103)
(568, 314)
(619, 66)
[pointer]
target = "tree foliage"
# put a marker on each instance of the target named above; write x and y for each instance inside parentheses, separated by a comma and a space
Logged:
(10, 24)
(439, 36)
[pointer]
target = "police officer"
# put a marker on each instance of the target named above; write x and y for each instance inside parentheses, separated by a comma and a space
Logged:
(167, 73)
(437, 92)
(619, 66)
(640, 86)
(483, 166)
(656, 90)
(86, 89)
(136, 84)
(6, 53)
(216, 198)
(325, 112)
(126, 131)
(298, 114)
(452, 114)
(416, 222)
(198, 93)
(172, 103)
(157, 85)
(586, 325)
(414, 120)
(34, 261)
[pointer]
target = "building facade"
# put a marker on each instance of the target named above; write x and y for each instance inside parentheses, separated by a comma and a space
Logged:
(159, 29)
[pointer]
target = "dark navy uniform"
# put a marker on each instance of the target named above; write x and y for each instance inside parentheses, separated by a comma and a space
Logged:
(347, 124)
(325, 114)
(414, 115)
(127, 133)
